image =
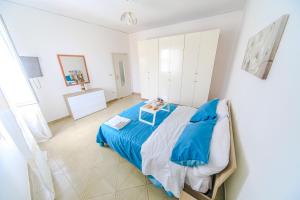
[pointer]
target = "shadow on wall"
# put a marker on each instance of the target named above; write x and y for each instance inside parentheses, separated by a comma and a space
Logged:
(237, 180)
(223, 66)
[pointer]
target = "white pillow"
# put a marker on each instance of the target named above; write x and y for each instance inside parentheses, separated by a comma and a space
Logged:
(222, 109)
(219, 151)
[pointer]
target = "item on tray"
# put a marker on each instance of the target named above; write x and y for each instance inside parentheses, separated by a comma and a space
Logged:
(160, 100)
(148, 106)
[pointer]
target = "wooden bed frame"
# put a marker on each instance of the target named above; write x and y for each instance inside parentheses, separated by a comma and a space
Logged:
(219, 178)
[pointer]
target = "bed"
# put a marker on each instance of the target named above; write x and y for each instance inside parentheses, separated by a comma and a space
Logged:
(141, 144)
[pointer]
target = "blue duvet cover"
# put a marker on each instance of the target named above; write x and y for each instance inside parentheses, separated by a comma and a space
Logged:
(128, 141)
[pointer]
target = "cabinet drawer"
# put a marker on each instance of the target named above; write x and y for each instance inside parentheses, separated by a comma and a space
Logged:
(85, 104)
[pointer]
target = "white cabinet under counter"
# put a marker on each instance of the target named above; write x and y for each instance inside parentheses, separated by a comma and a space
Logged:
(83, 103)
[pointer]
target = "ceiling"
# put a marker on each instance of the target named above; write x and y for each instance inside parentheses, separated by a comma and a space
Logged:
(150, 13)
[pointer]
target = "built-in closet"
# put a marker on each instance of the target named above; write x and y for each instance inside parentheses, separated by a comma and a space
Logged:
(178, 68)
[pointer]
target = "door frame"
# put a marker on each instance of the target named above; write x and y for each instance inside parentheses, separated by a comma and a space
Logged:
(115, 73)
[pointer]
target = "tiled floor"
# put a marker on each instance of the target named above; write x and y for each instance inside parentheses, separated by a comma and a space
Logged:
(83, 170)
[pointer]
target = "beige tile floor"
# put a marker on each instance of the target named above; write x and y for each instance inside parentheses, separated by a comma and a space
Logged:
(84, 171)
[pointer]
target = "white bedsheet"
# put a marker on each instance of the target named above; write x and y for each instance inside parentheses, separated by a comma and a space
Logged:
(157, 150)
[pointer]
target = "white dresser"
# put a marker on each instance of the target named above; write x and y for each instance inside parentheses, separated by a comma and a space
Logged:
(83, 103)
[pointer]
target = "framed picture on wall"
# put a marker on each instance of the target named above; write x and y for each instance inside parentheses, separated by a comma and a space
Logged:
(74, 69)
(262, 47)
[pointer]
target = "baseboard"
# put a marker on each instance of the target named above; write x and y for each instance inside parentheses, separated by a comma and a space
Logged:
(115, 99)
(56, 120)
(136, 93)
(112, 100)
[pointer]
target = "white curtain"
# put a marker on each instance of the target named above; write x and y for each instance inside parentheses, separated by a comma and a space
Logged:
(23, 111)
(35, 121)
(16, 127)
(18, 91)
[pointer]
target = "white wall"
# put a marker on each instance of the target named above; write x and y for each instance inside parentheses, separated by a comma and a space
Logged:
(14, 182)
(229, 24)
(38, 33)
(266, 112)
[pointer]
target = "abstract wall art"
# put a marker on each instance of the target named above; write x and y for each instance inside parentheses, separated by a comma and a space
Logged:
(262, 47)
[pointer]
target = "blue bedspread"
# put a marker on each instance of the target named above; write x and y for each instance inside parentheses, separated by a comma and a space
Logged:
(128, 141)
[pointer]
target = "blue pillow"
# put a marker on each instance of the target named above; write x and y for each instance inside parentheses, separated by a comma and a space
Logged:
(193, 146)
(206, 111)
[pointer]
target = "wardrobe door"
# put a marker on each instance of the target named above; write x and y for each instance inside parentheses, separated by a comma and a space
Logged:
(189, 68)
(164, 68)
(207, 52)
(176, 58)
(153, 69)
(199, 56)
(148, 65)
(170, 67)
(142, 51)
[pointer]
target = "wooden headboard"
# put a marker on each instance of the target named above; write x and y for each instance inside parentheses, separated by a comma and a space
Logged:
(221, 177)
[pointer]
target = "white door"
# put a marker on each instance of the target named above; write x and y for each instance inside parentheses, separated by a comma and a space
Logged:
(164, 68)
(176, 68)
(120, 62)
(190, 63)
(148, 65)
(206, 61)
(199, 57)
(170, 67)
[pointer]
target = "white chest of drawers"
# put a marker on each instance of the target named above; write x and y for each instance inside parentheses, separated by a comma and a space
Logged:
(81, 104)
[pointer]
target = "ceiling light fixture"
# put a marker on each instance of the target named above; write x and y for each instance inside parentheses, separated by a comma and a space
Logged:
(129, 17)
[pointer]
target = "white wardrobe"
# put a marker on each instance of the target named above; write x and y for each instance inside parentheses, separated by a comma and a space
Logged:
(178, 68)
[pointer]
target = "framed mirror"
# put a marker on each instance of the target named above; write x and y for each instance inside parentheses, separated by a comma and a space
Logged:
(74, 69)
